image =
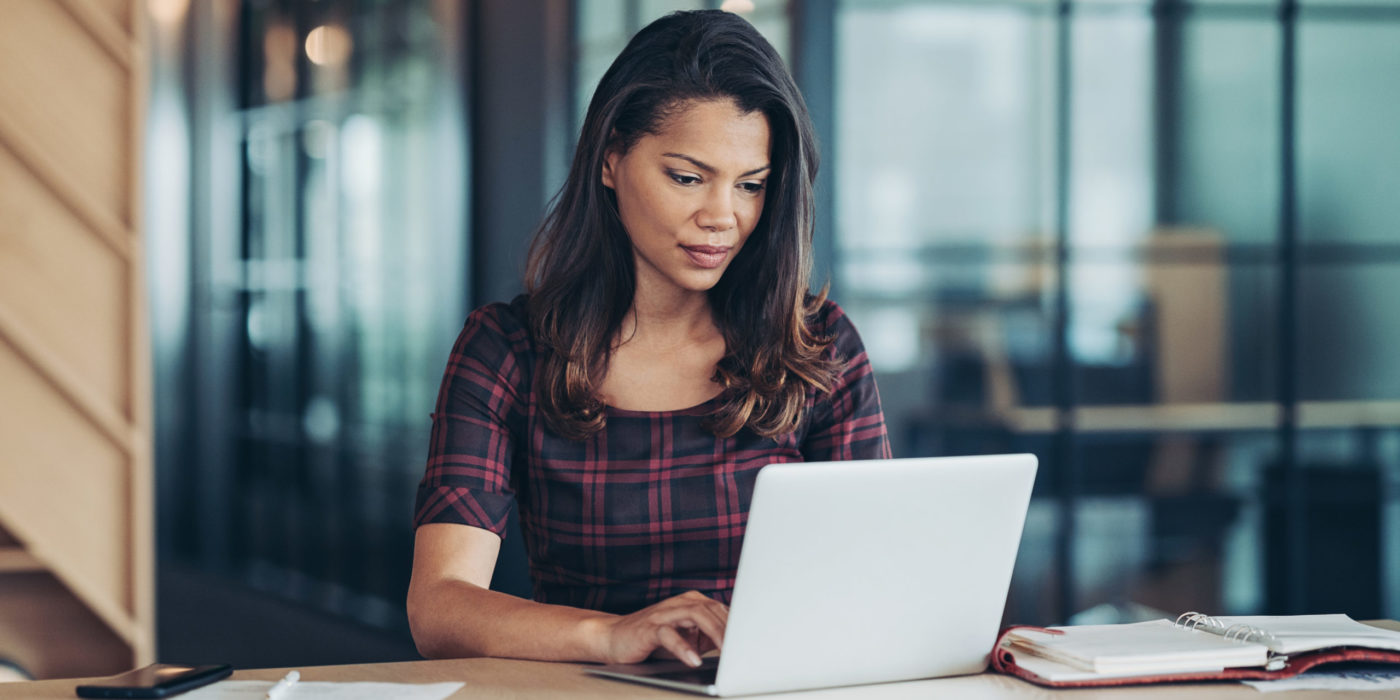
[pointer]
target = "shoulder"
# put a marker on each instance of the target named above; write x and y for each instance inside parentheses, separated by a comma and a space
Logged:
(500, 321)
(827, 317)
(497, 331)
(829, 321)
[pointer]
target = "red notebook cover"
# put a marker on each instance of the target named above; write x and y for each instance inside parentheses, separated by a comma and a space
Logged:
(1004, 661)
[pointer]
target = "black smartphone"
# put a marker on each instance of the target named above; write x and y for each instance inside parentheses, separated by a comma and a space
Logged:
(155, 681)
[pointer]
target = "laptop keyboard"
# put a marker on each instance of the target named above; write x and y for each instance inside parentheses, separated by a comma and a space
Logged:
(705, 675)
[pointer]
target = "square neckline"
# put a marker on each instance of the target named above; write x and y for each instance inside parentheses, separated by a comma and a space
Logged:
(700, 409)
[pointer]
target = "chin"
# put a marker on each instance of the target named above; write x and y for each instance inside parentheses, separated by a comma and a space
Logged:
(703, 287)
(699, 282)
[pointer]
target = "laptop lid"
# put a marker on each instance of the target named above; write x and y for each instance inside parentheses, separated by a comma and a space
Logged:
(868, 572)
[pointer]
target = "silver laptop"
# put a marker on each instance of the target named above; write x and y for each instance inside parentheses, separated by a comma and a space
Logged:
(865, 572)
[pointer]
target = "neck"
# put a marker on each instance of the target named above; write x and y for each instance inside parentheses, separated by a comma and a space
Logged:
(667, 315)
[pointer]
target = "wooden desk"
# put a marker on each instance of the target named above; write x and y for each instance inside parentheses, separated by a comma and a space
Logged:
(531, 680)
(488, 679)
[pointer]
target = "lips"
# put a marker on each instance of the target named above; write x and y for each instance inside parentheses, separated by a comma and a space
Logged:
(707, 256)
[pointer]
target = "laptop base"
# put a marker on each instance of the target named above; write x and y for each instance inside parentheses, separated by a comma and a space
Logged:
(667, 674)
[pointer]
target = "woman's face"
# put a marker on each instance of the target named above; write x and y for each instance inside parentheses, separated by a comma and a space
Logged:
(690, 194)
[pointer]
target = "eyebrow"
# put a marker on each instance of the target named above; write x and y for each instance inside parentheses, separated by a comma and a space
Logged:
(709, 168)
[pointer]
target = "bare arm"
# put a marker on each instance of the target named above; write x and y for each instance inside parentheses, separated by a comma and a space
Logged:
(453, 614)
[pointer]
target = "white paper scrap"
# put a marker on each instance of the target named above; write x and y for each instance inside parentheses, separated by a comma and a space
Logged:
(1379, 677)
(320, 690)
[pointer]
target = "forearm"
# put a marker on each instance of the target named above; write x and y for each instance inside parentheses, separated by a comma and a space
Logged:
(453, 619)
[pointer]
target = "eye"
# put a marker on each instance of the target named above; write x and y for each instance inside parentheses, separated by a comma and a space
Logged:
(752, 187)
(683, 179)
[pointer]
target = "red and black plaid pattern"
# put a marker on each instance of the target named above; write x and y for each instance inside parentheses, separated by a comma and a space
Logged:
(651, 506)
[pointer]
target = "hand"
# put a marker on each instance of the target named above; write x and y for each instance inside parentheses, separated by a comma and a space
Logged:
(685, 627)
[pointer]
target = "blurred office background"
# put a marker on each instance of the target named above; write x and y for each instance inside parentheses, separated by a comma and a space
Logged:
(1155, 242)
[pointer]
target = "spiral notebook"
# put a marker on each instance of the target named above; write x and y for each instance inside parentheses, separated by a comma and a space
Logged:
(1194, 647)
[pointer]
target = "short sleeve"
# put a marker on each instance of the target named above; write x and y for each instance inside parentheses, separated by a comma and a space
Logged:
(475, 423)
(848, 423)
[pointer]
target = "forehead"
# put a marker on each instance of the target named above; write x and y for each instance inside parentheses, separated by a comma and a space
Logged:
(714, 131)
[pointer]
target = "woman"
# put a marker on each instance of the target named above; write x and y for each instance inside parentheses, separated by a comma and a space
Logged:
(666, 349)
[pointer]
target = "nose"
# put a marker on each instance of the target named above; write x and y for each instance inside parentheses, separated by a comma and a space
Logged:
(717, 213)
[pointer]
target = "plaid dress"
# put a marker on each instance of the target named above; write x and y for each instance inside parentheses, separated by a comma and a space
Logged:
(651, 506)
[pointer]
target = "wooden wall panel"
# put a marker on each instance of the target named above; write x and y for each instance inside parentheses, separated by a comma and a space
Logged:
(38, 614)
(76, 510)
(66, 94)
(62, 282)
(63, 485)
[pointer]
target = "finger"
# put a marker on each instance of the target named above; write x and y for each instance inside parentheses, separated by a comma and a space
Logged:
(720, 609)
(718, 613)
(691, 633)
(718, 624)
(697, 640)
(701, 616)
(702, 643)
(672, 641)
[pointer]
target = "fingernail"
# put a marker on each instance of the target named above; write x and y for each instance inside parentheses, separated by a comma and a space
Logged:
(692, 658)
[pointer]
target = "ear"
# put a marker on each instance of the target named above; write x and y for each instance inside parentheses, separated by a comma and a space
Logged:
(610, 160)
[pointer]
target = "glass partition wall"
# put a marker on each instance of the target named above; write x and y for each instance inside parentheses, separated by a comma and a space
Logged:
(1156, 244)
(329, 267)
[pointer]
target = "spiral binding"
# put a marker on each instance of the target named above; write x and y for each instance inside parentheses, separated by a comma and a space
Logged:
(1199, 621)
(1249, 633)
(1242, 633)
(1235, 633)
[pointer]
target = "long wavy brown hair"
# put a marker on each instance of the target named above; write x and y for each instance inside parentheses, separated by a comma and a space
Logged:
(580, 273)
